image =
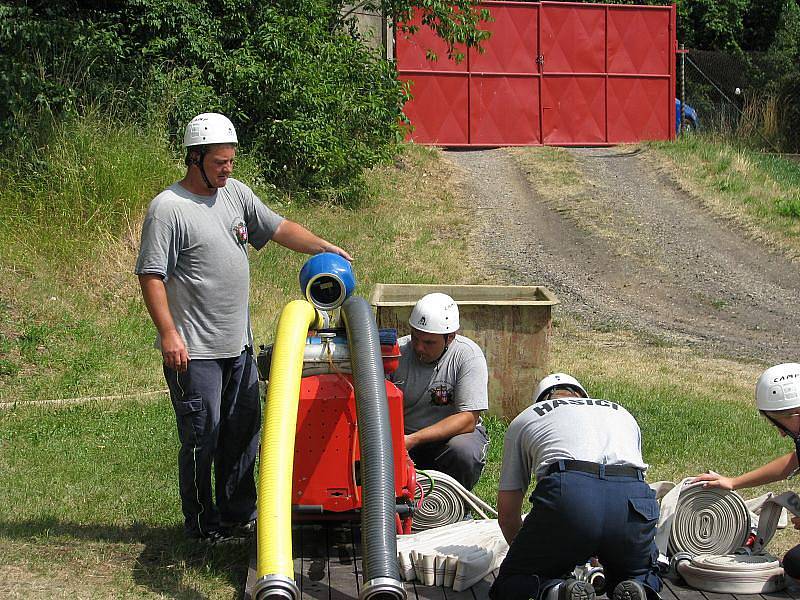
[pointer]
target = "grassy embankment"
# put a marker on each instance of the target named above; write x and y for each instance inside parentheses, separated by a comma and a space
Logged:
(88, 498)
(88, 505)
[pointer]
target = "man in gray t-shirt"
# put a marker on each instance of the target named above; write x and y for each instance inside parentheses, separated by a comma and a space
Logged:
(194, 274)
(443, 377)
(590, 500)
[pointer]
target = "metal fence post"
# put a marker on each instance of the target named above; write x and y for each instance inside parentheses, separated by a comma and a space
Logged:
(682, 128)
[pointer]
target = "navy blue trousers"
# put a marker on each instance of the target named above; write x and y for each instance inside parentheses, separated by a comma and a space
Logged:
(575, 516)
(218, 414)
(462, 456)
(791, 562)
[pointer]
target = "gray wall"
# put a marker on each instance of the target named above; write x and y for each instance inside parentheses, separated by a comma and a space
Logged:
(374, 28)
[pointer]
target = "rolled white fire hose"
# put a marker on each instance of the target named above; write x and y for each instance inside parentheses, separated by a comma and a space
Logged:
(445, 501)
(457, 555)
(444, 549)
(705, 530)
(709, 521)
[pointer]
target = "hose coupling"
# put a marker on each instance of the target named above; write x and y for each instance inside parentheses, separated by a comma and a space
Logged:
(677, 559)
(383, 588)
(597, 578)
(276, 587)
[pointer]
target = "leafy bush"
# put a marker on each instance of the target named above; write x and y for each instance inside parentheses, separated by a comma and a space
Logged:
(303, 90)
(310, 98)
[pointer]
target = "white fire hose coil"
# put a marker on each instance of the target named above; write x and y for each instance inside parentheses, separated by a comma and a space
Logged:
(445, 501)
(709, 521)
(444, 549)
(705, 530)
(737, 574)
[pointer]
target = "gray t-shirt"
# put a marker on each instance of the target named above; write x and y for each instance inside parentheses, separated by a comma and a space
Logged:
(198, 244)
(456, 383)
(598, 431)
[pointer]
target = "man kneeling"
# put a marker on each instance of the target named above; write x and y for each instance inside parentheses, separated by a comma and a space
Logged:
(590, 499)
(444, 380)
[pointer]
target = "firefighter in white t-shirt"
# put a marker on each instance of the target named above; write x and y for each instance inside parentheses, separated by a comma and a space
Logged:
(590, 500)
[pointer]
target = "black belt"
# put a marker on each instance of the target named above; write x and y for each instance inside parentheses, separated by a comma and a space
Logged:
(595, 468)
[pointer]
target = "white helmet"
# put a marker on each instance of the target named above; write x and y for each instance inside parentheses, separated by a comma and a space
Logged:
(778, 388)
(435, 313)
(209, 128)
(556, 380)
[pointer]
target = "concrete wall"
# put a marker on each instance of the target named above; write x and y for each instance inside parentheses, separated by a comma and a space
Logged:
(374, 28)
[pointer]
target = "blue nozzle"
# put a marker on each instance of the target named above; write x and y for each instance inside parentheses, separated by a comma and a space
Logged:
(327, 280)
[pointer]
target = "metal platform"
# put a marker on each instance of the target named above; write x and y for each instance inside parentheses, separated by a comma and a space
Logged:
(327, 566)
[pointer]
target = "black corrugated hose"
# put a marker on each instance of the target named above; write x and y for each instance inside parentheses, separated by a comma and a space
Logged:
(378, 530)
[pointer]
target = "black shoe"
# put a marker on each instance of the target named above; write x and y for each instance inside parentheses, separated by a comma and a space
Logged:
(572, 589)
(629, 590)
(211, 538)
(240, 531)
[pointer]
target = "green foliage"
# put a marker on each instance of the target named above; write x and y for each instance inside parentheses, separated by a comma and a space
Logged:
(786, 44)
(760, 23)
(86, 177)
(711, 24)
(293, 75)
(330, 116)
(457, 23)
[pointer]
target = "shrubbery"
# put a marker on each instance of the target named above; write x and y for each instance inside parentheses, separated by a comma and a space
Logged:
(305, 93)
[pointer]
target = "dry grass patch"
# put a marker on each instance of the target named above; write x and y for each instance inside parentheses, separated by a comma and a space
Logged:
(626, 357)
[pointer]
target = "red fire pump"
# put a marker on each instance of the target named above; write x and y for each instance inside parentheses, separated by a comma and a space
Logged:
(327, 456)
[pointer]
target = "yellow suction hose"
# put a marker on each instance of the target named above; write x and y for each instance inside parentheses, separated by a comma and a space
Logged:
(275, 570)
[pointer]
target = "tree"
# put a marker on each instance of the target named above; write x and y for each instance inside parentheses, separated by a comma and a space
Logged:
(307, 96)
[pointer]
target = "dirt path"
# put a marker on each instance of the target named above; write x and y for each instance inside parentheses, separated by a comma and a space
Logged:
(632, 250)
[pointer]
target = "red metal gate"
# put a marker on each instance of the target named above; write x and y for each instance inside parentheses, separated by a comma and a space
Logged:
(553, 73)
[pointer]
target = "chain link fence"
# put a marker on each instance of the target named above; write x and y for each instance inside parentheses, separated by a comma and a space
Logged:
(747, 96)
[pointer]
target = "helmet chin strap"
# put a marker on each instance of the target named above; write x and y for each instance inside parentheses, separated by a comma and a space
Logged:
(199, 164)
(446, 346)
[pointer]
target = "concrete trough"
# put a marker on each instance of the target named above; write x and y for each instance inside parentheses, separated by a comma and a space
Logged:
(512, 325)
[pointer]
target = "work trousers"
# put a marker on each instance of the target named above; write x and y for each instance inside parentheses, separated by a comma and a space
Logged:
(218, 414)
(791, 562)
(575, 516)
(462, 457)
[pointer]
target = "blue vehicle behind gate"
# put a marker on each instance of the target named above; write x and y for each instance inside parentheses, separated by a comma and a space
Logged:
(692, 121)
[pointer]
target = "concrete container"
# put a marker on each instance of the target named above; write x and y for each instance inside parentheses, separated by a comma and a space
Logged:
(511, 324)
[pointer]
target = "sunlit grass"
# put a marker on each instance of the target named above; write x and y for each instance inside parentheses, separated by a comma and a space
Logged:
(760, 191)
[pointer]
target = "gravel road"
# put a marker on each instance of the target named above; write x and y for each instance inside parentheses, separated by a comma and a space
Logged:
(634, 252)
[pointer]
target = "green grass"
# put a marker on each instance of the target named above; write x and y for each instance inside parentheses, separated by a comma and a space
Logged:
(758, 190)
(89, 497)
(72, 324)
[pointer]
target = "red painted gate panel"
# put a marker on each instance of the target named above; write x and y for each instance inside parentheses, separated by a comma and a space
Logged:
(552, 73)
